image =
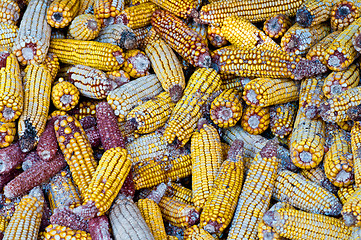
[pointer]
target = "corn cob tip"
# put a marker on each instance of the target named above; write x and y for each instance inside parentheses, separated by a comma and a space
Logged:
(131, 125)
(201, 122)
(354, 113)
(157, 194)
(236, 150)
(176, 92)
(307, 68)
(29, 139)
(87, 210)
(194, 14)
(3, 57)
(215, 63)
(311, 112)
(323, 109)
(349, 219)
(303, 17)
(271, 218)
(204, 60)
(212, 227)
(270, 149)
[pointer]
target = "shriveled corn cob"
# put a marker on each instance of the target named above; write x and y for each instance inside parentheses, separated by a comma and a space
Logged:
(9, 12)
(138, 16)
(264, 63)
(103, 56)
(37, 92)
(64, 95)
(243, 34)
(351, 211)
(32, 42)
(186, 113)
(253, 10)
(136, 63)
(107, 8)
(183, 9)
(296, 224)
(167, 68)
(263, 92)
(61, 12)
(197, 233)
(118, 34)
(84, 27)
(275, 26)
(215, 36)
(51, 61)
(58, 232)
(317, 175)
(344, 13)
(132, 94)
(86, 107)
(253, 204)
(8, 34)
(355, 147)
(255, 120)
(318, 51)
(282, 117)
(298, 40)
(7, 133)
(85, 6)
(314, 12)
(344, 193)
(184, 40)
(311, 96)
(179, 193)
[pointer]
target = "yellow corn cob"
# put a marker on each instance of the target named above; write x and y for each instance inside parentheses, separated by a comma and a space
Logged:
(107, 8)
(85, 6)
(150, 36)
(25, 223)
(183, 9)
(151, 115)
(355, 147)
(84, 27)
(118, 76)
(201, 29)
(344, 193)
(317, 175)
(77, 151)
(3, 224)
(318, 51)
(252, 203)
(32, 42)
(338, 82)
(7, 133)
(276, 25)
(138, 16)
(8, 34)
(167, 67)
(136, 63)
(314, 12)
(216, 37)
(255, 120)
(340, 54)
(253, 10)
(344, 13)
(299, 225)
(237, 83)
(132, 94)
(9, 12)
(57, 232)
(180, 193)
(37, 92)
(263, 92)
(311, 96)
(137, 2)
(347, 125)
(103, 56)
(186, 113)
(197, 233)
(241, 33)
(61, 12)
(356, 233)
(64, 95)
(11, 87)
(298, 40)
(282, 117)
(169, 237)
(51, 61)
(307, 141)
(86, 107)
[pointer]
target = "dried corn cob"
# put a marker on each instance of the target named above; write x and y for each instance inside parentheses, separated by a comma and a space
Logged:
(47, 145)
(344, 13)
(99, 228)
(8, 34)
(298, 40)
(355, 147)
(119, 77)
(136, 63)
(167, 68)
(253, 204)
(201, 29)
(85, 27)
(237, 83)
(86, 107)
(318, 51)
(307, 141)
(32, 42)
(264, 63)
(118, 34)
(184, 40)
(61, 12)
(275, 26)
(150, 36)
(51, 61)
(107, 8)
(57, 232)
(345, 193)
(10, 12)
(85, 6)
(243, 34)
(311, 96)
(197, 233)
(254, 11)
(179, 193)
(140, 35)
(137, 16)
(317, 175)
(186, 113)
(103, 56)
(132, 94)
(10, 158)
(347, 125)
(7, 133)
(215, 36)
(351, 210)
(282, 117)
(183, 9)
(314, 12)
(77, 151)
(37, 90)
(64, 95)
(255, 120)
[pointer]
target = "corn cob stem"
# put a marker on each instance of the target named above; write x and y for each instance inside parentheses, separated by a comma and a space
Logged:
(314, 12)
(61, 12)
(255, 120)
(276, 26)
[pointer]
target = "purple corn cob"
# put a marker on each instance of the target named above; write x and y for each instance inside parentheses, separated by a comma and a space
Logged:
(30, 159)
(64, 216)
(7, 177)
(128, 188)
(93, 136)
(99, 228)
(45, 218)
(10, 158)
(47, 145)
(88, 122)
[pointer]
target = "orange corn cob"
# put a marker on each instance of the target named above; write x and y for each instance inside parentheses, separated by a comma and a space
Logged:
(64, 95)
(8, 34)
(201, 29)
(237, 83)
(61, 12)
(345, 193)
(314, 12)
(344, 13)
(355, 147)
(282, 118)
(52, 63)
(136, 63)
(7, 133)
(215, 36)
(318, 51)
(276, 26)
(10, 12)
(84, 27)
(137, 16)
(255, 120)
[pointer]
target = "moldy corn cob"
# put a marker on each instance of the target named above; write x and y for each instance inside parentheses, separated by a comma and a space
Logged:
(136, 63)
(118, 34)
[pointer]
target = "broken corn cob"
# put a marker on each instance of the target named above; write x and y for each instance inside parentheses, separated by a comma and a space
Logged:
(215, 36)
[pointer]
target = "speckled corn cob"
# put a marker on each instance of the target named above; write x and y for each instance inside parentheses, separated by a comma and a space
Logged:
(318, 51)
(298, 40)
(10, 12)
(107, 8)
(317, 175)
(118, 34)
(61, 12)
(136, 63)
(254, 11)
(86, 107)
(99, 228)
(344, 193)
(37, 90)
(183, 9)
(51, 61)
(311, 96)
(201, 29)
(32, 42)
(307, 141)
(85, 6)
(167, 68)
(132, 94)
(8, 34)
(84, 27)
(25, 222)
(57, 232)
(77, 151)
(197, 233)
(355, 147)
(282, 117)
(186, 113)
(344, 13)
(138, 16)
(275, 26)
(253, 204)
(243, 34)
(351, 211)
(263, 63)
(184, 40)
(7, 133)
(314, 12)
(10, 158)
(215, 36)
(255, 120)
(64, 95)
(48, 145)
(179, 193)
(103, 56)
(11, 87)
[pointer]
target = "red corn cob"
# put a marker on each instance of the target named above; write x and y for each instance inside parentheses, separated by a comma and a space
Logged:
(30, 160)
(88, 122)
(99, 228)
(93, 136)
(64, 216)
(10, 158)
(48, 145)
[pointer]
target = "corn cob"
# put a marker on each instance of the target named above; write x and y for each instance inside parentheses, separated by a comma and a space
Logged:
(61, 12)
(340, 54)
(25, 222)
(32, 41)
(64, 216)
(37, 89)
(118, 34)
(51, 61)
(201, 29)
(77, 151)
(356, 233)
(275, 26)
(243, 34)
(64, 95)
(57, 232)
(298, 40)
(282, 117)
(85, 27)
(99, 228)
(119, 77)
(296, 224)
(255, 120)
(186, 113)
(311, 96)
(179, 193)
(307, 141)
(3, 224)
(10, 12)
(7, 133)
(137, 16)
(318, 51)
(184, 40)
(314, 12)
(8, 34)
(264, 63)
(85, 6)
(137, 2)
(344, 13)
(215, 36)
(103, 56)
(317, 175)
(11, 89)
(183, 9)
(197, 233)
(354, 113)
(136, 63)
(145, 35)
(47, 146)
(254, 11)
(344, 193)
(132, 94)
(10, 158)
(167, 68)
(237, 83)
(107, 8)
(86, 107)
(355, 147)
(253, 204)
